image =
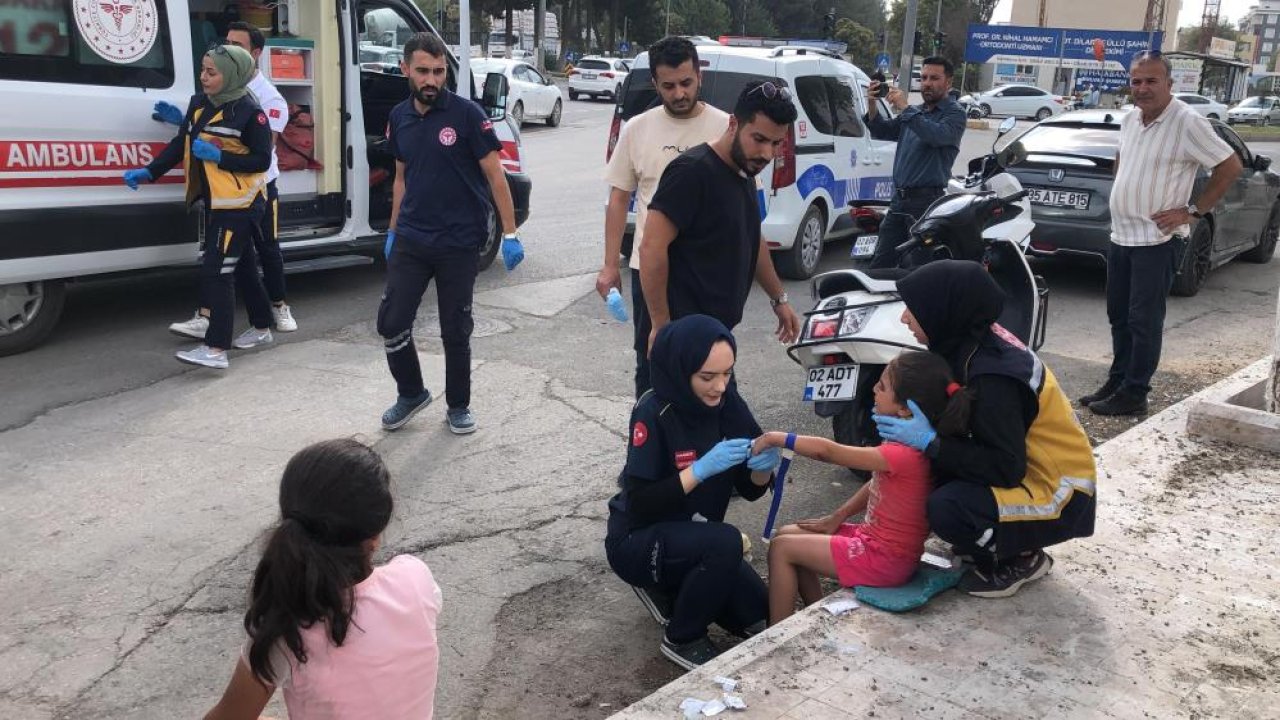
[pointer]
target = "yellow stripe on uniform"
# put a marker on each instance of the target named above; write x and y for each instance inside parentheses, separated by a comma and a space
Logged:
(226, 241)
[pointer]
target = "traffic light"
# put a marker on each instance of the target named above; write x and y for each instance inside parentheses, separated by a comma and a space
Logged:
(918, 44)
(939, 39)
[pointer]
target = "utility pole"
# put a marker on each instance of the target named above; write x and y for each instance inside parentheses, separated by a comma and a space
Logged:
(539, 35)
(667, 33)
(464, 45)
(907, 60)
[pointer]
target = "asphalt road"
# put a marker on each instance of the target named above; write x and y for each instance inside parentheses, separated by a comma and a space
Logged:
(535, 627)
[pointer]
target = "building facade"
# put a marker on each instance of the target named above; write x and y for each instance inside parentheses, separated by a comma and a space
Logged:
(1262, 23)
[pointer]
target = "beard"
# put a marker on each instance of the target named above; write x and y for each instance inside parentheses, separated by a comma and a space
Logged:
(420, 94)
(747, 166)
(681, 108)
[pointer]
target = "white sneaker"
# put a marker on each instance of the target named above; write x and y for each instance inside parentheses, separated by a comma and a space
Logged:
(284, 318)
(203, 356)
(196, 327)
(252, 337)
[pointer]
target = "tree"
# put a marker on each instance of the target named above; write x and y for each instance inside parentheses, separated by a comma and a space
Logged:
(1189, 37)
(861, 41)
(699, 17)
(759, 21)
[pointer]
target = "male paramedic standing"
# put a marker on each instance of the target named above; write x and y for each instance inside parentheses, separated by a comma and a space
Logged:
(447, 164)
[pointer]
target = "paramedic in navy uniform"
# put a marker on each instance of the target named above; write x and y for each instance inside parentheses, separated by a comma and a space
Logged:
(447, 164)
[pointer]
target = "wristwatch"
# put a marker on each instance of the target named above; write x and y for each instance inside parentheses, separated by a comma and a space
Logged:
(780, 300)
(1194, 211)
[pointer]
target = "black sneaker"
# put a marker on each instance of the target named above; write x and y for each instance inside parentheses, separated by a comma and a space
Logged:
(1102, 393)
(1121, 403)
(753, 629)
(658, 603)
(1008, 576)
(689, 655)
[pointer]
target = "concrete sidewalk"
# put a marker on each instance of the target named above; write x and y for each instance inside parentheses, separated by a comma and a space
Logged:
(1169, 610)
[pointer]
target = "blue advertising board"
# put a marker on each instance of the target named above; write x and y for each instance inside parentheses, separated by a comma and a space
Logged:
(1072, 48)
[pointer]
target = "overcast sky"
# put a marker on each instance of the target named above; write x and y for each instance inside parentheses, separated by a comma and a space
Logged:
(1232, 10)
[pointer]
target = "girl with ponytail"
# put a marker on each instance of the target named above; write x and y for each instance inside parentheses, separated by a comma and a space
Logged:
(340, 637)
(882, 550)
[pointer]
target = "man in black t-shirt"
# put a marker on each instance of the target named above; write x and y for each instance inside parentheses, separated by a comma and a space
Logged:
(702, 245)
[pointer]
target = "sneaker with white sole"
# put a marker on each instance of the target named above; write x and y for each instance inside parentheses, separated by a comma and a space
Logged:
(1008, 576)
(203, 356)
(252, 337)
(405, 408)
(283, 315)
(658, 603)
(461, 421)
(196, 327)
(689, 655)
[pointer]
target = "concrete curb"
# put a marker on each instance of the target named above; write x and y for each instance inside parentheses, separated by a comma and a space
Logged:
(1232, 412)
(977, 124)
(1143, 619)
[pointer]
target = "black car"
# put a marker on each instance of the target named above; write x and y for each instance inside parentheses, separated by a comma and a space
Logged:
(1068, 172)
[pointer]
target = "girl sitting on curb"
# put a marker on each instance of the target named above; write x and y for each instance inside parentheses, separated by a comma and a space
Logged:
(884, 549)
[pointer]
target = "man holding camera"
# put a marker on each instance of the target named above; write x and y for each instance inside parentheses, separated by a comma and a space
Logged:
(928, 137)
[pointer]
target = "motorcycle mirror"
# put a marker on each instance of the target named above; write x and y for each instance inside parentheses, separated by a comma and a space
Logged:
(1012, 154)
(1006, 125)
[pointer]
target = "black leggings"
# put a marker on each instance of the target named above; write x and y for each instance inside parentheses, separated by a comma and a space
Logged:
(965, 514)
(700, 564)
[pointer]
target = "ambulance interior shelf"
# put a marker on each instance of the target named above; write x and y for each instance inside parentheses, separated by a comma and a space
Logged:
(288, 64)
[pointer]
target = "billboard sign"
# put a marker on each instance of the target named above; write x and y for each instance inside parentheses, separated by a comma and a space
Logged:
(1221, 48)
(1070, 48)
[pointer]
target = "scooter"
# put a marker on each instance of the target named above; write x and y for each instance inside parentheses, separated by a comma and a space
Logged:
(854, 329)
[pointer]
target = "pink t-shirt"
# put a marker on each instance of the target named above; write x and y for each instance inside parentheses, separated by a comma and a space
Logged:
(386, 667)
(896, 516)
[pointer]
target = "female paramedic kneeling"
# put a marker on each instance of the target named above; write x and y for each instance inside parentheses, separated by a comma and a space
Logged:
(690, 447)
(1024, 478)
(224, 145)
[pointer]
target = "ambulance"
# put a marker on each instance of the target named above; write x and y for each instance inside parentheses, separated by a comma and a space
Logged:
(79, 79)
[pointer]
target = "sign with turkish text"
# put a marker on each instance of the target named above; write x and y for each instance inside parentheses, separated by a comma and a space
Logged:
(1068, 47)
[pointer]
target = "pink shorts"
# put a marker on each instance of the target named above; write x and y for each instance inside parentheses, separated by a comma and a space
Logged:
(861, 561)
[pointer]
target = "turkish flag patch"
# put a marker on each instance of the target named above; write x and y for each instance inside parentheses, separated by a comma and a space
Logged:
(639, 434)
(486, 125)
(685, 458)
(274, 113)
(262, 119)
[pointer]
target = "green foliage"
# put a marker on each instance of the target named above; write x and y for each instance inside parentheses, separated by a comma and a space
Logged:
(1189, 37)
(862, 43)
(699, 17)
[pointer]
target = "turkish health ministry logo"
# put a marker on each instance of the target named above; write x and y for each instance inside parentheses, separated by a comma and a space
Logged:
(121, 31)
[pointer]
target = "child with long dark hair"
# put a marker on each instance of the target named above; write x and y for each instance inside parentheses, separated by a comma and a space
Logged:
(341, 637)
(883, 550)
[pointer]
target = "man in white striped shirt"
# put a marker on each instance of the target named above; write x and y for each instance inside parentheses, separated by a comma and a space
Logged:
(1163, 144)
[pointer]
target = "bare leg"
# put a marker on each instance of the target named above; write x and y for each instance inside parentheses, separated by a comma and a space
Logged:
(789, 555)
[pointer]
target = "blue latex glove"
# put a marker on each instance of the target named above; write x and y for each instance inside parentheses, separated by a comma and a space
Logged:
(766, 461)
(616, 307)
(167, 112)
(914, 431)
(726, 454)
(133, 177)
(391, 240)
(512, 251)
(206, 150)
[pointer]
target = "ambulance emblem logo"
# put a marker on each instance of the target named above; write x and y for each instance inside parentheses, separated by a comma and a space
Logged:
(122, 31)
(448, 136)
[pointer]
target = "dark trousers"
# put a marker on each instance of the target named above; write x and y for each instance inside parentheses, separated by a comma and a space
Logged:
(227, 260)
(642, 326)
(894, 229)
(1138, 283)
(267, 245)
(965, 514)
(700, 564)
(410, 268)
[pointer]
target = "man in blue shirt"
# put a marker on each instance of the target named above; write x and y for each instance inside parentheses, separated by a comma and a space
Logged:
(447, 167)
(928, 137)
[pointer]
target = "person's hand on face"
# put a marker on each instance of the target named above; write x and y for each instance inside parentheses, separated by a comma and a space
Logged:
(914, 432)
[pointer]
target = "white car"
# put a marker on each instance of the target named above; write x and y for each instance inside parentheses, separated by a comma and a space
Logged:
(1211, 109)
(828, 159)
(597, 77)
(380, 58)
(1257, 110)
(532, 96)
(1018, 101)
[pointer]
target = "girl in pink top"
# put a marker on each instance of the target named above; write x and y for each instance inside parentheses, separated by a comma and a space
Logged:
(883, 550)
(341, 638)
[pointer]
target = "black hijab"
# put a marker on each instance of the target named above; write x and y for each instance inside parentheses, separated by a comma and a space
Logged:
(955, 302)
(679, 351)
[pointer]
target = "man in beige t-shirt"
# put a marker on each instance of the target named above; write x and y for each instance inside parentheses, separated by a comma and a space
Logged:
(647, 144)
